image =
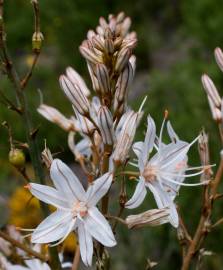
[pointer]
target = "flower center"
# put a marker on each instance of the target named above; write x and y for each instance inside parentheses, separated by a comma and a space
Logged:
(150, 173)
(79, 208)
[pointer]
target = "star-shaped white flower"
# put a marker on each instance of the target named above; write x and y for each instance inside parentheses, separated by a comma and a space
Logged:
(76, 210)
(164, 173)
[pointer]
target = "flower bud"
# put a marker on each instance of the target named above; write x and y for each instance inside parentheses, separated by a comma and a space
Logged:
(100, 31)
(93, 78)
(54, 116)
(132, 61)
(216, 113)
(17, 158)
(37, 40)
(125, 136)
(122, 59)
(109, 46)
(91, 34)
(118, 43)
(103, 23)
(84, 125)
(219, 58)
(125, 26)
(75, 78)
(124, 81)
(120, 17)
(211, 90)
(105, 124)
(129, 43)
(90, 55)
(103, 78)
(47, 157)
(154, 217)
(98, 43)
(108, 33)
(75, 95)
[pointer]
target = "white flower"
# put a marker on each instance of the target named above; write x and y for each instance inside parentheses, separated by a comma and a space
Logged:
(76, 210)
(164, 173)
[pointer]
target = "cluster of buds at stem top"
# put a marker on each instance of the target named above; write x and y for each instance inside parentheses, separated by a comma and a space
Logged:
(214, 99)
(108, 51)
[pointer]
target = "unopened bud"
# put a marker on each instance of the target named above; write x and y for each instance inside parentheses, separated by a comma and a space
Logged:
(124, 81)
(17, 158)
(154, 217)
(125, 26)
(98, 43)
(216, 113)
(103, 23)
(47, 157)
(37, 40)
(219, 58)
(108, 33)
(100, 30)
(125, 136)
(120, 17)
(129, 43)
(211, 90)
(75, 95)
(84, 125)
(105, 124)
(90, 34)
(54, 116)
(118, 43)
(109, 46)
(90, 55)
(75, 78)
(103, 78)
(93, 78)
(122, 59)
(132, 61)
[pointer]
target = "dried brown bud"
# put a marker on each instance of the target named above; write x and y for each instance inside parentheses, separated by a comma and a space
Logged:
(47, 157)
(154, 217)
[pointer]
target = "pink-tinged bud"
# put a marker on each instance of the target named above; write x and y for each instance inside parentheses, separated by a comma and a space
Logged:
(154, 217)
(125, 136)
(112, 23)
(124, 81)
(90, 55)
(219, 58)
(109, 46)
(75, 78)
(216, 113)
(211, 90)
(100, 30)
(125, 26)
(90, 34)
(98, 43)
(122, 59)
(103, 23)
(120, 17)
(75, 95)
(105, 124)
(103, 79)
(54, 116)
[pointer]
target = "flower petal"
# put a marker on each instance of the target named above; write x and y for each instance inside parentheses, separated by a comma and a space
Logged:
(172, 134)
(48, 195)
(138, 196)
(149, 140)
(53, 228)
(86, 245)
(98, 227)
(163, 200)
(66, 181)
(98, 189)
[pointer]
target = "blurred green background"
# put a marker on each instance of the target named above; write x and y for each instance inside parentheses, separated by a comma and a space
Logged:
(176, 40)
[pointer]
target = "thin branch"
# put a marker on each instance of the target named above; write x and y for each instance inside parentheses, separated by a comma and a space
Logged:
(36, 49)
(23, 247)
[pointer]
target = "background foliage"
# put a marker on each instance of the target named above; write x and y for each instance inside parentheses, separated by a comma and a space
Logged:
(176, 42)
